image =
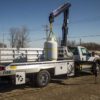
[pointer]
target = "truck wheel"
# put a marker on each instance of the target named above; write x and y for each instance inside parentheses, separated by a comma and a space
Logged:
(43, 78)
(98, 67)
(77, 70)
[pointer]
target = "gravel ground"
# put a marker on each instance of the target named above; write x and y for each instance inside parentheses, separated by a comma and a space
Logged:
(78, 88)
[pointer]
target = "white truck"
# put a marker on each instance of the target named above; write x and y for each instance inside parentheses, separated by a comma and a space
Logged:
(51, 62)
(41, 72)
(84, 59)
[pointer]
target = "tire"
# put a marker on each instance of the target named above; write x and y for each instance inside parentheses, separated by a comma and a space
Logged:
(98, 67)
(70, 69)
(95, 68)
(77, 70)
(43, 78)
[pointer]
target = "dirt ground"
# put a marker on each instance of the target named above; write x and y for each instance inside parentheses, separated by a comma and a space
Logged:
(77, 88)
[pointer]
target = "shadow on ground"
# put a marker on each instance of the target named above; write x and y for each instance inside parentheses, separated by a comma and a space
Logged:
(7, 87)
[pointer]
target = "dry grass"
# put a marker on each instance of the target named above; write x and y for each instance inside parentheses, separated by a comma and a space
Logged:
(78, 88)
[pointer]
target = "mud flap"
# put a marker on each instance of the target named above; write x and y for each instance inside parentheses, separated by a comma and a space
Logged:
(20, 78)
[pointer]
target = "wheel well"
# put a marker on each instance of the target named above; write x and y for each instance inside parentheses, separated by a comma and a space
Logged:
(50, 70)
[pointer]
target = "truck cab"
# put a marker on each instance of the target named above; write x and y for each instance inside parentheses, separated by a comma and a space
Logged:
(80, 53)
(85, 60)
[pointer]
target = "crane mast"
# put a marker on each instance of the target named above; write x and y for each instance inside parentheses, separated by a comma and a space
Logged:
(65, 10)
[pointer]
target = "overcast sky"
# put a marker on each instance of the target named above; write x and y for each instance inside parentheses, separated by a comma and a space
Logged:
(84, 19)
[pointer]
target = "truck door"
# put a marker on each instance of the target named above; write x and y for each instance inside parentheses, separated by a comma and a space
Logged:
(84, 54)
(75, 52)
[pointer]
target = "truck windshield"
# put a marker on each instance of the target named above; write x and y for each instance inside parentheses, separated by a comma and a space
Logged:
(84, 51)
(74, 50)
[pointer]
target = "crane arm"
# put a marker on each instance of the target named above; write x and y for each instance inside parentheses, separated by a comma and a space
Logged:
(65, 10)
(58, 11)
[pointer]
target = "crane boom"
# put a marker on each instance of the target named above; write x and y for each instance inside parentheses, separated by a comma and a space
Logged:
(62, 9)
(58, 11)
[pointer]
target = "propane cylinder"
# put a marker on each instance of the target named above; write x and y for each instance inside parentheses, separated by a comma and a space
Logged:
(50, 48)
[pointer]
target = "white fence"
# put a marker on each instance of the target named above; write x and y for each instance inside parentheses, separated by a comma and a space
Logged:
(26, 54)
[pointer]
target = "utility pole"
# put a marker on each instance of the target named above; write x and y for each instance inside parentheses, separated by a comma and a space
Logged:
(80, 41)
(46, 29)
(3, 40)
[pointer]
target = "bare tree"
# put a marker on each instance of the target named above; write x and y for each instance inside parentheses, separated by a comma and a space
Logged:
(71, 43)
(2, 45)
(24, 37)
(12, 37)
(19, 37)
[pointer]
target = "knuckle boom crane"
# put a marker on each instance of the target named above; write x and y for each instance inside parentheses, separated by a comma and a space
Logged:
(65, 10)
(41, 70)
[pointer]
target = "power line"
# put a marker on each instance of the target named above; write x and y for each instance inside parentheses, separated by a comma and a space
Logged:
(72, 37)
(86, 20)
(84, 36)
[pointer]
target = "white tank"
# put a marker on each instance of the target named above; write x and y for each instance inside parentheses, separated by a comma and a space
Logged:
(50, 49)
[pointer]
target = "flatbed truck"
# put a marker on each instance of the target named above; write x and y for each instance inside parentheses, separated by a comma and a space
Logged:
(57, 61)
